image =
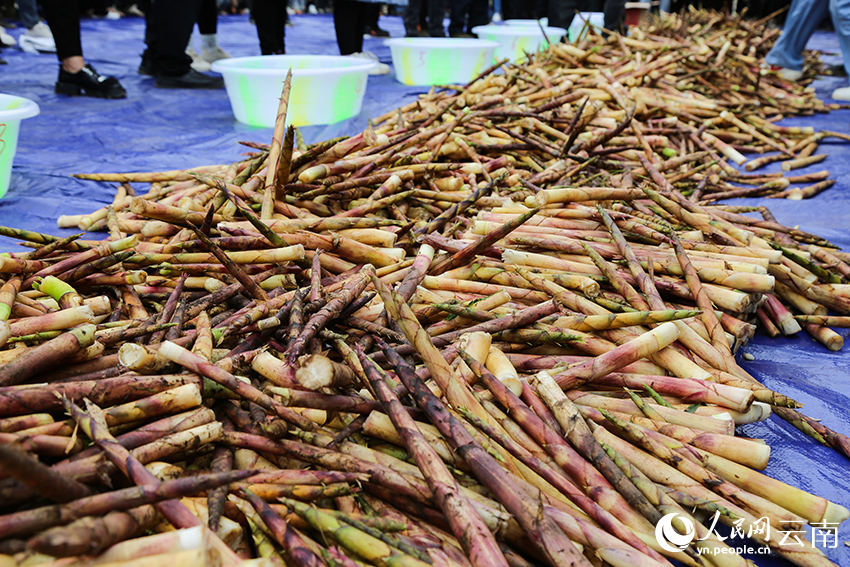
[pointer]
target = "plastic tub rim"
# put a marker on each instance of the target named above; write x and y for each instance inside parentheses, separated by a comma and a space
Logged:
(231, 65)
(517, 30)
(525, 22)
(28, 109)
(447, 42)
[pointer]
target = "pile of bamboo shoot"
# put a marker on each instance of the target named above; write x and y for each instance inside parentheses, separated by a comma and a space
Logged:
(498, 327)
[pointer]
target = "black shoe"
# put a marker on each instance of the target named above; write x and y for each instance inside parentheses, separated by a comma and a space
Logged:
(836, 71)
(88, 82)
(147, 67)
(377, 32)
(191, 80)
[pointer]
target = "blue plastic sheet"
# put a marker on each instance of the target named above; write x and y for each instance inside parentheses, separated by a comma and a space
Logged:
(157, 129)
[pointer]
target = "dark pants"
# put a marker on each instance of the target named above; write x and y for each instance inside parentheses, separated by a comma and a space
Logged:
(561, 13)
(208, 17)
(415, 16)
(349, 22)
(168, 27)
(436, 13)
(63, 18)
(518, 10)
(373, 14)
(270, 17)
(466, 14)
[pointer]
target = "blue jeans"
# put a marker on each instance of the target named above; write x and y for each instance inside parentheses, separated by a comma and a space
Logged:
(803, 18)
(28, 12)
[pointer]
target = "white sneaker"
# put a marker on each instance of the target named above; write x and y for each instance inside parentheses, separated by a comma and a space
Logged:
(842, 94)
(497, 17)
(198, 64)
(214, 54)
(133, 10)
(40, 30)
(37, 44)
(113, 14)
(312, 9)
(380, 69)
(790, 74)
(5, 38)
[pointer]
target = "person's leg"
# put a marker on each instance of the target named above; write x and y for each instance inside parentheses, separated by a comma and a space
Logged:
(28, 12)
(371, 13)
(561, 12)
(436, 13)
(803, 18)
(173, 21)
(37, 37)
(512, 10)
(537, 9)
(478, 14)
(615, 15)
(75, 76)
(458, 10)
(840, 12)
(63, 17)
(207, 18)
(271, 28)
(207, 28)
(411, 17)
(348, 25)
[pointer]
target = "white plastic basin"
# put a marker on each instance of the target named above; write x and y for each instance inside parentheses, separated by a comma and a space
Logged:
(325, 88)
(439, 60)
(515, 41)
(544, 21)
(595, 19)
(13, 109)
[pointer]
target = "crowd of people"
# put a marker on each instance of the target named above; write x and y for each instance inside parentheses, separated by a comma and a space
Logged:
(174, 62)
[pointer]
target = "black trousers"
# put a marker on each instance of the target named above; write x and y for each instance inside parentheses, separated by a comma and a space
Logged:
(270, 17)
(436, 13)
(373, 14)
(466, 14)
(415, 16)
(561, 13)
(523, 9)
(517, 10)
(350, 19)
(208, 17)
(63, 18)
(168, 27)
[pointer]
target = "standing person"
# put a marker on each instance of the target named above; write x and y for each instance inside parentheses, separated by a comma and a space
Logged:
(168, 26)
(786, 55)
(350, 19)
(76, 77)
(561, 13)
(270, 17)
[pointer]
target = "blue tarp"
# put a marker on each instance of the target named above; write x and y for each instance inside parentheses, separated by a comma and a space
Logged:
(157, 129)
